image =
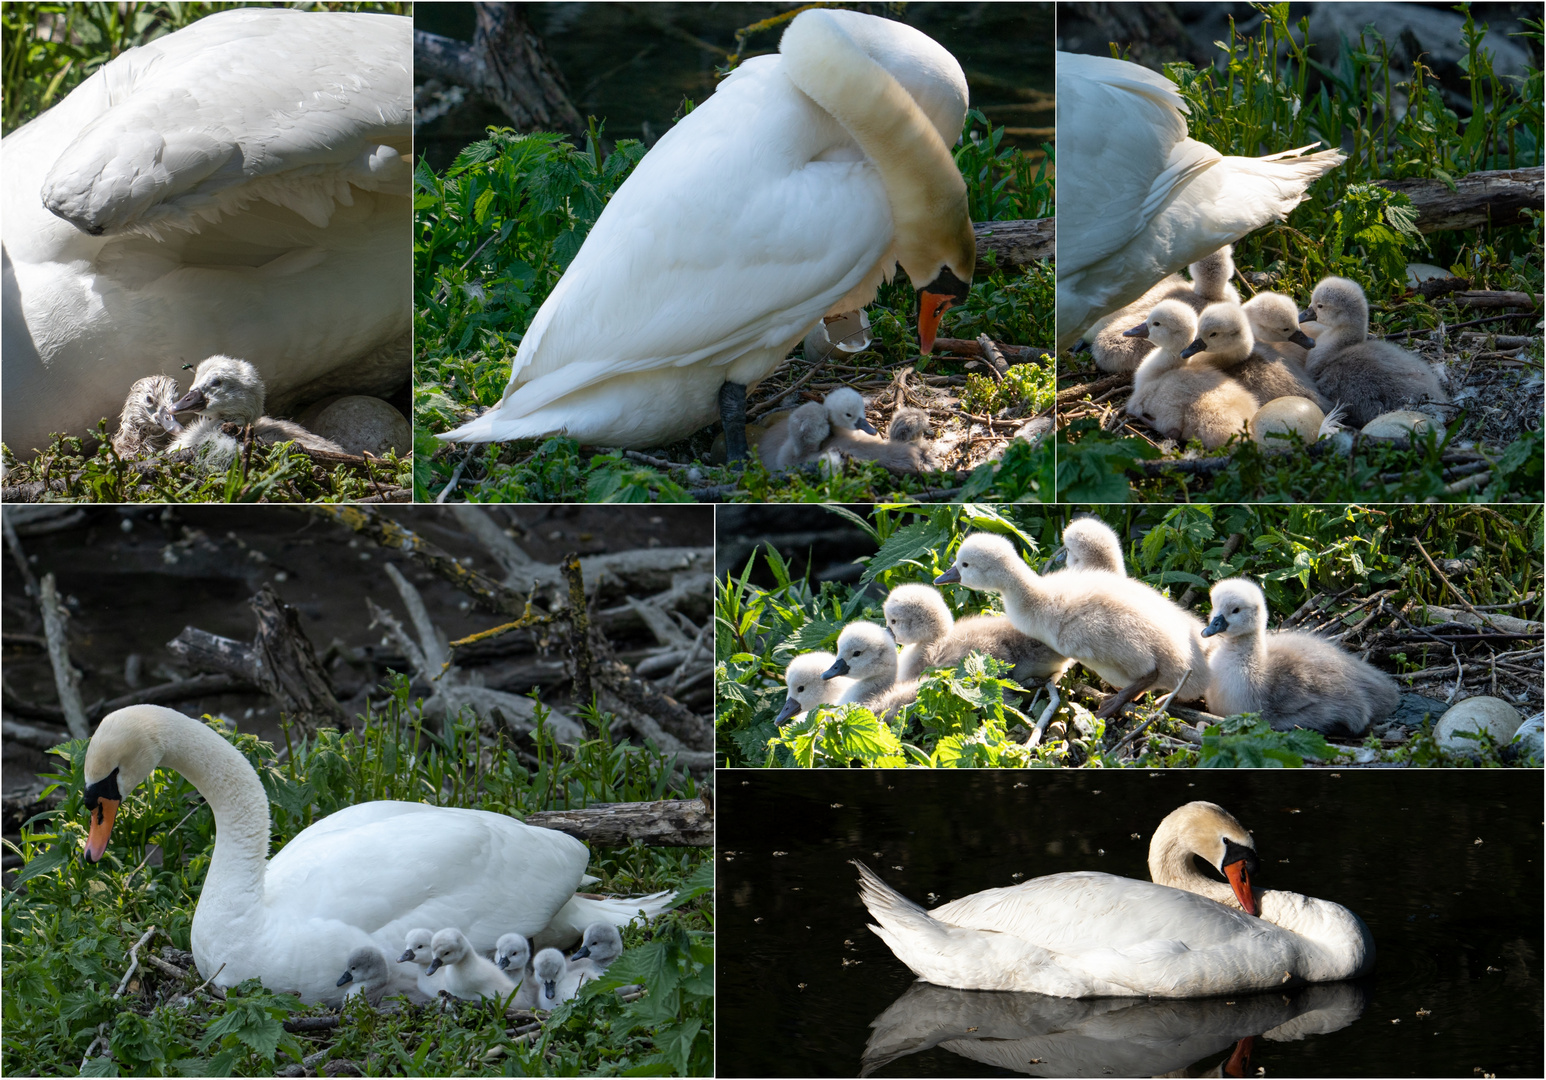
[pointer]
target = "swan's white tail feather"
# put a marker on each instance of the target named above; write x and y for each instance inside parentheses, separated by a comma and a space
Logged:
(572, 919)
(893, 910)
(1332, 422)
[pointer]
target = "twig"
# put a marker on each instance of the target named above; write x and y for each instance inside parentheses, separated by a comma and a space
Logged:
(1449, 584)
(1160, 710)
(434, 652)
(66, 681)
(158, 847)
(134, 960)
(1046, 714)
(456, 474)
(13, 542)
(1455, 326)
(214, 991)
(579, 629)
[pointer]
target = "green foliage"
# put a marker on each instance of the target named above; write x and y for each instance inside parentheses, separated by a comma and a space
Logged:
(72, 469)
(973, 716)
(1001, 182)
(1092, 465)
(68, 927)
(50, 48)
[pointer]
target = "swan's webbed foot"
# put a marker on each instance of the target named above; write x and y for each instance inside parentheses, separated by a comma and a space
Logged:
(1113, 705)
(732, 413)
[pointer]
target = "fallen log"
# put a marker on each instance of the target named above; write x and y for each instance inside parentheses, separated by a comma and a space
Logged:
(1015, 244)
(1498, 197)
(666, 823)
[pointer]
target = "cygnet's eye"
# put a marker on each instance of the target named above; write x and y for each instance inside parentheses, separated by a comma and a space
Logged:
(858, 652)
(1234, 611)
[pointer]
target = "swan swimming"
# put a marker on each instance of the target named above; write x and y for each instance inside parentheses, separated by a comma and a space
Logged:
(288, 920)
(242, 186)
(1086, 934)
(1138, 199)
(788, 195)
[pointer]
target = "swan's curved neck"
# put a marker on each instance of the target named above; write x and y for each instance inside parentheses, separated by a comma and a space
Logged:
(233, 888)
(923, 185)
(1171, 863)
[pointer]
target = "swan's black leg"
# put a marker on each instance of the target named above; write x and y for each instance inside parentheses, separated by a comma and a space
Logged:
(732, 413)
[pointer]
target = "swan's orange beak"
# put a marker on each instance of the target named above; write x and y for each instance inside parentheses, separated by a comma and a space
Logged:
(931, 308)
(102, 816)
(1240, 881)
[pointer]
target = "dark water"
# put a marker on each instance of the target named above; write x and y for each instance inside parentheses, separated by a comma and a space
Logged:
(1444, 867)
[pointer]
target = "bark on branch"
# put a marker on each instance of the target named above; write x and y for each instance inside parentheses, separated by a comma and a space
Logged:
(667, 823)
(1498, 197)
(1016, 244)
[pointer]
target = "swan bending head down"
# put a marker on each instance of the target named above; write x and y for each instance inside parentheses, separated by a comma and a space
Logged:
(1210, 832)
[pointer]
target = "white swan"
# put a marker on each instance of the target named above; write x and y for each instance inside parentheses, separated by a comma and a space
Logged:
(789, 194)
(1138, 199)
(288, 919)
(468, 975)
(239, 186)
(1086, 934)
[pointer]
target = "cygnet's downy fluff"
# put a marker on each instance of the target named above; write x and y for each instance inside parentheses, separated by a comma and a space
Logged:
(797, 437)
(1115, 350)
(1180, 400)
(146, 424)
(226, 390)
(1090, 544)
(1224, 341)
(808, 686)
(918, 617)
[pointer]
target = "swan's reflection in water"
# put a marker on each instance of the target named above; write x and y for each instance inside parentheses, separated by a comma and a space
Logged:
(1049, 1036)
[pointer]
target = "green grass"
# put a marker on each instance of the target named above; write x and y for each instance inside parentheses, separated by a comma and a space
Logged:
(495, 232)
(68, 927)
(1259, 102)
(72, 469)
(973, 716)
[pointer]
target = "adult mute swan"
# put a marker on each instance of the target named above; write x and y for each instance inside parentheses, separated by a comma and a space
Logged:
(1138, 199)
(240, 186)
(788, 195)
(1085, 934)
(293, 919)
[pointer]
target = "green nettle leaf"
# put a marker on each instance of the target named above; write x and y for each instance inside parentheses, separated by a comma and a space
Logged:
(100, 1066)
(676, 1043)
(60, 851)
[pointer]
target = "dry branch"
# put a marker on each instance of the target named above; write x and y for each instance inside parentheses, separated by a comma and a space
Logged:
(667, 823)
(1016, 244)
(1498, 197)
(66, 678)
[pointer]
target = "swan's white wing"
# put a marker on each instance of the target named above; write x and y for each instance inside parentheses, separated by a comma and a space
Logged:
(387, 867)
(197, 124)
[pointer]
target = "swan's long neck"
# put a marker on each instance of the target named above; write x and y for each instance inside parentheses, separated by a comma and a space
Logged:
(923, 185)
(233, 888)
(1171, 863)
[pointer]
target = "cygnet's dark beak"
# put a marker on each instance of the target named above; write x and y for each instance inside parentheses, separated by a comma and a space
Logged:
(1059, 555)
(504, 961)
(547, 988)
(1303, 340)
(434, 966)
(192, 401)
(1080, 346)
(867, 427)
(346, 977)
(1307, 315)
(581, 953)
(1193, 349)
(791, 706)
(950, 576)
(1141, 330)
(839, 667)
(1216, 625)
(167, 421)
(407, 955)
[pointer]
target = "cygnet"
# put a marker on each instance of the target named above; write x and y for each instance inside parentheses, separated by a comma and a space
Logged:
(417, 950)
(1115, 350)
(1224, 341)
(146, 424)
(468, 975)
(601, 945)
(555, 982)
(366, 975)
(1369, 377)
(1090, 544)
(918, 617)
(226, 390)
(805, 677)
(1180, 400)
(1274, 321)
(797, 438)
(867, 654)
(1293, 679)
(1123, 630)
(905, 449)
(512, 955)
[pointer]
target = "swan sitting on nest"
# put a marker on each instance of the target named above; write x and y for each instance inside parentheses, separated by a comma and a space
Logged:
(1138, 198)
(226, 390)
(789, 195)
(241, 185)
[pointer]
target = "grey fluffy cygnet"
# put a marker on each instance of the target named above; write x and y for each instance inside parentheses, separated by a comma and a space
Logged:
(1180, 400)
(601, 945)
(1224, 341)
(554, 986)
(866, 653)
(808, 687)
(146, 424)
(1090, 544)
(1293, 679)
(918, 617)
(512, 955)
(906, 447)
(1274, 321)
(226, 390)
(1123, 630)
(1369, 377)
(1115, 350)
(468, 975)
(366, 974)
(797, 438)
